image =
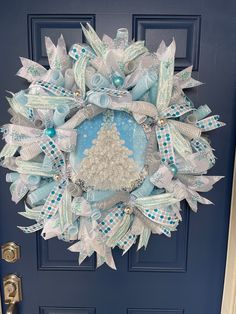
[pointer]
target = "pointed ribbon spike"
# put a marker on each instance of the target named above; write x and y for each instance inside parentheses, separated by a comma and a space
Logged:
(185, 80)
(93, 39)
(32, 228)
(165, 231)
(61, 42)
(210, 123)
(144, 238)
(57, 55)
(31, 70)
(50, 49)
(203, 183)
(127, 241)
(84, 30)
(166, 75)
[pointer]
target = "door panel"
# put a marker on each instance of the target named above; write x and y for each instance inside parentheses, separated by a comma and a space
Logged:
(52, 255)
(183, 274)
(185, 29)
(52, 25)
(162, 255)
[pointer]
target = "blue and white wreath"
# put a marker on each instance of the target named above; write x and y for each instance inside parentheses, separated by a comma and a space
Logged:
(104, 145)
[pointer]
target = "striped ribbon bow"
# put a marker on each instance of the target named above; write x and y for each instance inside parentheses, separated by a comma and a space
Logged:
(168, 130)
(50, 207)
(22, 135)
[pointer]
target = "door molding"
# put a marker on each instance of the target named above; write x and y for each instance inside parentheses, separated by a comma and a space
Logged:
(229, 295)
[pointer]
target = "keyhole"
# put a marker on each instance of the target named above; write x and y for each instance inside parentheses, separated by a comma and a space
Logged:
(11, 289)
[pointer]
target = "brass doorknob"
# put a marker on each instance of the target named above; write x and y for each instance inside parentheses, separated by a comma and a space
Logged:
(12, 292)
(10, 252)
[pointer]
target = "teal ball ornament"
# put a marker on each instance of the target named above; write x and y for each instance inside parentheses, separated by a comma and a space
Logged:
(50, 132)
(173, 169)
(117, 80)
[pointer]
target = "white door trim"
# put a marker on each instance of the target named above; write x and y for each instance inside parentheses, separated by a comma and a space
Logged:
(229, 296)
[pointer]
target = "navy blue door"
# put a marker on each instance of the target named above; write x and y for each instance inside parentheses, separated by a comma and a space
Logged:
(183, 274)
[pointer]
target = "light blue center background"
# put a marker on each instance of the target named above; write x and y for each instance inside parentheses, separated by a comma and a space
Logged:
(130, 131)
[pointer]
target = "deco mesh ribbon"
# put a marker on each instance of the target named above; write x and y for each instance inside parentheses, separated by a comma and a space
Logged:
(104, 145)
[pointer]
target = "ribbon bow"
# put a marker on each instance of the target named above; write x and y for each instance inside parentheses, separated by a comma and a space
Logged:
(168, 132)
(50, 207)
(22, 135)
(91, 239)
(185, 186)
(21, 184)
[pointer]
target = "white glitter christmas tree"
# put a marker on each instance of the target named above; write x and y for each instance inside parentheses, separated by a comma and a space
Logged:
(107, 165)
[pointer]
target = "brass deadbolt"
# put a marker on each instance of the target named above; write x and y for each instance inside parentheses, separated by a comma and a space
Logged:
(10, 252)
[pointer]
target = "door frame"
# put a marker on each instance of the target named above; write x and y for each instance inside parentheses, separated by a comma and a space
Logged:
(229, 295)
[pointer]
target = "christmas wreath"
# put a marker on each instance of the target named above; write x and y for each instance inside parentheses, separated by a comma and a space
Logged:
(104, 145)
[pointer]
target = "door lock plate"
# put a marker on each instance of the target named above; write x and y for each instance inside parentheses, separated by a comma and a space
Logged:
(10, 252)
(12, 289)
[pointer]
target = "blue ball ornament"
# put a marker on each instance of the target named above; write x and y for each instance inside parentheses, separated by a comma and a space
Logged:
(173, 169)
(50, 132)
(117, 80)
